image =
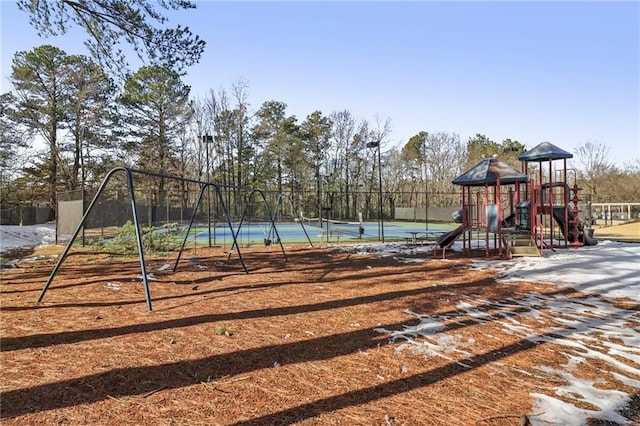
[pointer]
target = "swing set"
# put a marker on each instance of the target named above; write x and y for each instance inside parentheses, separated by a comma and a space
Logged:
(129, 173)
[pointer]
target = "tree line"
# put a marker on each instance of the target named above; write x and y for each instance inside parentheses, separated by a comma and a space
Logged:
(67, 122)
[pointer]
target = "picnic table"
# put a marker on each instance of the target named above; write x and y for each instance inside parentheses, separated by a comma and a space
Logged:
(416, 236)
(421, 237)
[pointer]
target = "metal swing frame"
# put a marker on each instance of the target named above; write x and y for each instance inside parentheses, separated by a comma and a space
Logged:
(129, 172)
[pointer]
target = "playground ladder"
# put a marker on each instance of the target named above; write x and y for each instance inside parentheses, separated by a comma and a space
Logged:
(521, 245)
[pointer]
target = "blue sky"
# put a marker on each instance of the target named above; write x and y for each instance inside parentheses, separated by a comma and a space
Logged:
(564, 72)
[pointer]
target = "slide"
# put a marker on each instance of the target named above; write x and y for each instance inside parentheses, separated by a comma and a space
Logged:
(446, 239)
(583, 237)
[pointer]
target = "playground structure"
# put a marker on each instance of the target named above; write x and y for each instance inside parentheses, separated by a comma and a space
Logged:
(94, 208)
(519, 213)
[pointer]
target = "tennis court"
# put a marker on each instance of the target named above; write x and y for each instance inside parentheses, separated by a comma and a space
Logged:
(257, 233)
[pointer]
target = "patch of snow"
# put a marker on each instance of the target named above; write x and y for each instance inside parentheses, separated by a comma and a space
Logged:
(588, 329)
(609, 269)
(386, 250)
(411, 260)
(26, 237)
(558, 411)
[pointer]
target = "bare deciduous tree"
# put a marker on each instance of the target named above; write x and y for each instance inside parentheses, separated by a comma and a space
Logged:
(596, 166)
(444, 158)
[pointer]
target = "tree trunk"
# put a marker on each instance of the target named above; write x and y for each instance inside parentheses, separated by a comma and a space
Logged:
(53, 163)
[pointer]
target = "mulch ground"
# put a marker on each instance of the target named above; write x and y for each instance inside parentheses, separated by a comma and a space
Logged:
(291, 342)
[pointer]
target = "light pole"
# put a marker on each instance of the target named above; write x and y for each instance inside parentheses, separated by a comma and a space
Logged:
(207, 139)
(426, 185)
(376, 144)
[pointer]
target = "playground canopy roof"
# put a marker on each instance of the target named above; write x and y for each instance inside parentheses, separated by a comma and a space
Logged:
(487, 172)
(545, 151)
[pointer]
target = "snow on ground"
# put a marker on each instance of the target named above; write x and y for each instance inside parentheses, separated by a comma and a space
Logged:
(610, 269)
(26, 237)
(589, 330)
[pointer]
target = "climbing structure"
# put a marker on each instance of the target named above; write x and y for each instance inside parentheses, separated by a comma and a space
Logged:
(519, 213)
(490, 192)
(556, 202)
